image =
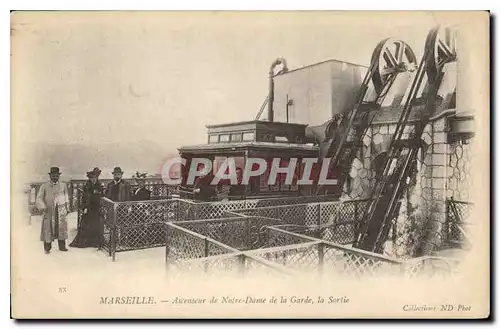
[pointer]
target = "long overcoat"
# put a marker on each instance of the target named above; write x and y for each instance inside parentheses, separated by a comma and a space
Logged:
(51, 196)
(124, 193)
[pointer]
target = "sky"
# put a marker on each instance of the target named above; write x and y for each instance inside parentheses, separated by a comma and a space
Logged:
(94, 78)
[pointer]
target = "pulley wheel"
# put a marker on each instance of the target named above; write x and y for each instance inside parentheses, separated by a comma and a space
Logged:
(391, 57)
(441, 47)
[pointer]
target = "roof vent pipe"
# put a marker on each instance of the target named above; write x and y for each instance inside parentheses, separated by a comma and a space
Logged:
(270, 103)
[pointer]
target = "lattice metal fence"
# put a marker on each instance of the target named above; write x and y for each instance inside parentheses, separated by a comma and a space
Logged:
(242, 233)
(211, 210)
(457, 224)
(459, 168)
(324, 256)
(229, 265)
(332, 221)
(140, 224)
(339, 260)
(185, 244)
(304, 256)
(107, 225)
(279, 235)
(159, 190)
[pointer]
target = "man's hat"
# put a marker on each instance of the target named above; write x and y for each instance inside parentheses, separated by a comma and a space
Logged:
(54, 171)
(139, 176)
(94, 173)
(117, 170)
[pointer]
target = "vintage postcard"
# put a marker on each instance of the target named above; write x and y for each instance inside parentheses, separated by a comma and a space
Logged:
(271, 164)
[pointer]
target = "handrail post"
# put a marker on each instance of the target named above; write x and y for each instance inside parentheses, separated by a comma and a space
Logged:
(356, 219)
(79, 211)
(248, 230)
(166, 244)
(318, 213)
(115, 233)
(321, 258)
(177, 208)
(242, 264)
(207, 252)
(206, 247)
(101, 222)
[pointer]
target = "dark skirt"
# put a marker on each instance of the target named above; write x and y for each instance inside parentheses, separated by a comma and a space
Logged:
(89, 231)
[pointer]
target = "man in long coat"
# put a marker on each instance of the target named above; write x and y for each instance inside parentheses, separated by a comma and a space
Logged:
(118, 190)
(53, 200)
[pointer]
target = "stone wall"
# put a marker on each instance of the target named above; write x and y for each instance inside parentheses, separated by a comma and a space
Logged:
(442, 174)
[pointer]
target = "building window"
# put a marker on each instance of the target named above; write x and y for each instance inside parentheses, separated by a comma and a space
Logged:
(281, 139)
(236, 137)
(224, 138)
(248, 136)
(213, 138)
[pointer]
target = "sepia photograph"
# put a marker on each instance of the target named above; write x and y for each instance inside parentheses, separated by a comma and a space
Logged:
(230, 164)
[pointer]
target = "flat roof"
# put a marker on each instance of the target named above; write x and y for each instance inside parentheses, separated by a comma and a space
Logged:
(319, 63)
(254, 122)
(263, 145)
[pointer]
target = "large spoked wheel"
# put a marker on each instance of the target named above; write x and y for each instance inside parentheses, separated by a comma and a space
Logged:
(389, 58)
(441, 42)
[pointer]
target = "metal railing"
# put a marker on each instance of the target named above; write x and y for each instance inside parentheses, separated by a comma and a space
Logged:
(156, 186)
(183, 243)
(161, 190)
(136, 225)
(457, 222)
(242, 233)
(332, 221)
(293, 254)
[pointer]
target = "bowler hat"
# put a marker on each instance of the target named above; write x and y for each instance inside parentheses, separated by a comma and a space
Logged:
(117, 170)
(54, 171)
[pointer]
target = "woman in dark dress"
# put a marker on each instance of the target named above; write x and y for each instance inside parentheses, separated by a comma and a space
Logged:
(89, 230)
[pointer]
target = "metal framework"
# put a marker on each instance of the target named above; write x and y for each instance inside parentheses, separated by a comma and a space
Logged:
(399, 163)
(287, 254)
(344, 134)
(136, 225)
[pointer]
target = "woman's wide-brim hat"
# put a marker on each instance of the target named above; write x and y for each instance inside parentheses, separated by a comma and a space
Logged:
(54, 171)
(117, 170)
(94, 172)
